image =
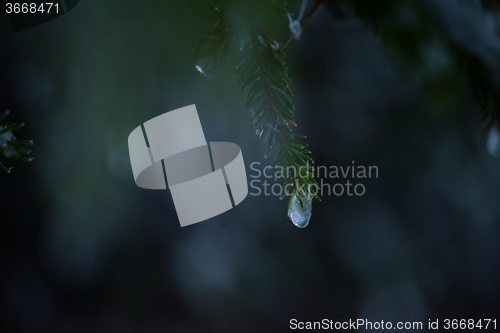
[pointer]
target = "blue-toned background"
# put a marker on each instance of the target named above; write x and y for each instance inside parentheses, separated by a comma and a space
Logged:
(83, 249)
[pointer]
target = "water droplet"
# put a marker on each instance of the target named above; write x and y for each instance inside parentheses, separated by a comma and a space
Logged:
(206, 65)
(275, 45)
(206, 71)
(300, 214)
(259, 132)
(5, 138)
(493, 143)
(295, 27)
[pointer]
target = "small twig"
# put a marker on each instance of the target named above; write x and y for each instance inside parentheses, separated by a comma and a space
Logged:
(301, 19)
(285, 44)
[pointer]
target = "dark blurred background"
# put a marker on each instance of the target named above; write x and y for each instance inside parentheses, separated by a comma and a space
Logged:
(83, 249)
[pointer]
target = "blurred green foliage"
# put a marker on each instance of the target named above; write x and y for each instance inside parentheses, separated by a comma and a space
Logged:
(435, 48)
(262, 73)
(415, 34)
(10, 146)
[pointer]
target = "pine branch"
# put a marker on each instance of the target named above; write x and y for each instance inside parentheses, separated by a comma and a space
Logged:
(11, 147)
(263, 73)
(212, 46)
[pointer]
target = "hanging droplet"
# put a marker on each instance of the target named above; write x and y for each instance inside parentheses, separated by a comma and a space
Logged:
(205, 70)
(206, 66)
(300, 214)
(493, 143)
(295, 27)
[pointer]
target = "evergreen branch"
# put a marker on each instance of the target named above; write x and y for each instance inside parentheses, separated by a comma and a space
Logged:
(263, 73)
(211, 47)
(11, 147)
